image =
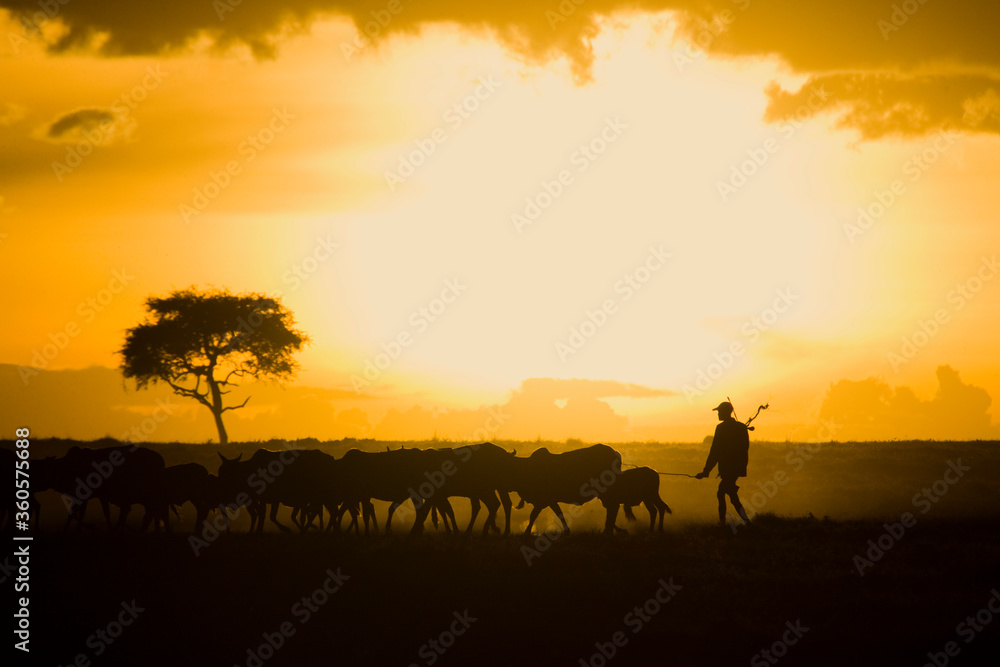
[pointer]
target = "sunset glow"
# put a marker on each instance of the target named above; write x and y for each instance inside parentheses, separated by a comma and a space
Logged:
(603, 225)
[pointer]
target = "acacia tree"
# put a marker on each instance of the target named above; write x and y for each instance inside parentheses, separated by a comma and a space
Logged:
(198, 342)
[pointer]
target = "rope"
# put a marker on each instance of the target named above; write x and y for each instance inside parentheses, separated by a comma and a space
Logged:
(677, 474)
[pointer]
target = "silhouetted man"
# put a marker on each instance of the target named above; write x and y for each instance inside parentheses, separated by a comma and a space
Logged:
(730, 448)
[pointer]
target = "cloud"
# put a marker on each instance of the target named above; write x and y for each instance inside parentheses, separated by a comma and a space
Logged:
(552, 389)
(95, 402)
(11, 113)
(548, 408)
(82, 119)
(98, 126)
(882, 104)
(872, 410)
(871, 52)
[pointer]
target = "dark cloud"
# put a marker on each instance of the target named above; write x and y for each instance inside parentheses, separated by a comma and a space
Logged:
(881, 104)
(869, 51)
(870, 409)
(81, 119)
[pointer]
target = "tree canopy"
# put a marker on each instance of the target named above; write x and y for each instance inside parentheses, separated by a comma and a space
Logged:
(197, 342)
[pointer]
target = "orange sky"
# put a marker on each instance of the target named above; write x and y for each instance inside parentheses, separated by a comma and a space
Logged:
(602, 225)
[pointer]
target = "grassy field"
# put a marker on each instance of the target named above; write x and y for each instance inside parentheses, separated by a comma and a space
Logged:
(809, 590)
(728, 597)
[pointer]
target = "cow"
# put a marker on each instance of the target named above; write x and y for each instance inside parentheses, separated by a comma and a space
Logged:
(394, 476)
(480, 473)
(545, 479)
(49, 474)
(303, 479)
(639, 485)
(188, 482)
(123, 475)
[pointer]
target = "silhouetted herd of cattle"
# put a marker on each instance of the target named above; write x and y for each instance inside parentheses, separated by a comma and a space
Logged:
(310, 481)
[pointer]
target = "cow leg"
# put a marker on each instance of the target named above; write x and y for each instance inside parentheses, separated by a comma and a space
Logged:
(507, 505)
(147, 517)
(475, 504)
(369, 511)
(448, 513)
(612, 518)
(664, 510)
(355, 519)
(355, 523)
(106, 508)
(123, 512)
(420, 518)
(653, 511)
(357, 516)
(165, 510)
(492, 506)
(78, 511)
(392, 510)
(260, 512)
(559, 513)
(201, 516)
(535, 511)
(274, 517)
(363, 516)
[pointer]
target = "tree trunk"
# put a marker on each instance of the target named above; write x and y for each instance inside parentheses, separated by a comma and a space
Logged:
(223, 437)
(217, 410)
